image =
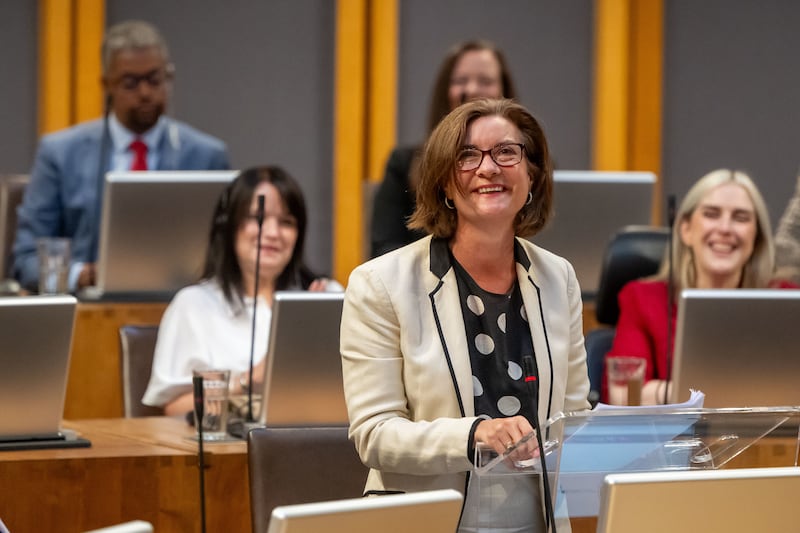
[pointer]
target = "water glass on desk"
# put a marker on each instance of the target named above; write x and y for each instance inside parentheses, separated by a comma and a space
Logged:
(625, 379)
(215, 404)
(54, 257)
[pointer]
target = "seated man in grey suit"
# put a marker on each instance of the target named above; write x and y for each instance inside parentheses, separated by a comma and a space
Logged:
(61, 199)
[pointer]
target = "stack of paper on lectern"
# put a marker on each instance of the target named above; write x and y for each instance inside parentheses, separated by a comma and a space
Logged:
(695, 401)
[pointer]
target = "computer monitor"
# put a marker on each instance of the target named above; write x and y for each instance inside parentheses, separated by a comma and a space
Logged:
(589, 208)
(303, 374)
(154, 230)
(747, 499)
(35, 340)
(738, 346)
(435, 511)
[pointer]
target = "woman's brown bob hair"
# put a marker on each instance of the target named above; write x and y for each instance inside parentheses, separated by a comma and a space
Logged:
(437, 168)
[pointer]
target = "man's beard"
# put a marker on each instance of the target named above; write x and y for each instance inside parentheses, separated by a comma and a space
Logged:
(141, 121)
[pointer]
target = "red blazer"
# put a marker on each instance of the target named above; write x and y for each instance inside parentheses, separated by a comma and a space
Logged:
(642, 327)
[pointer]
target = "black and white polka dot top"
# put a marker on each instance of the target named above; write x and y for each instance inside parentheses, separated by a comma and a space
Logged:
(498, 336)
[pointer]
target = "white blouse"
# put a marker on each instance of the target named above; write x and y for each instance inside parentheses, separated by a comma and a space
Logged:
(200, 330)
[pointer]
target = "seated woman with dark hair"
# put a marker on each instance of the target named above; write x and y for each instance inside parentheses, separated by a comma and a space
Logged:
(721, 239)
(208, 325)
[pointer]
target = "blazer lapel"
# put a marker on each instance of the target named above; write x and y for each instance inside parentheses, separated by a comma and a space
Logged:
(443, 294)
(534, 309)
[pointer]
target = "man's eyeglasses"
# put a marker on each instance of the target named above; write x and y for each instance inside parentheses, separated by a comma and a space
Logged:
(505, 155)
(155, 79)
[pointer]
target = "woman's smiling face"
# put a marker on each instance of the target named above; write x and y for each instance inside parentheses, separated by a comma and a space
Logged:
(490, 192)
(721, 234)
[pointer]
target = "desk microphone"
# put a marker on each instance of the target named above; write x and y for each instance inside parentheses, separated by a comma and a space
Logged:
(532, 383)
(239, 428)
(199, 412)
(260, 220)
(670, 289)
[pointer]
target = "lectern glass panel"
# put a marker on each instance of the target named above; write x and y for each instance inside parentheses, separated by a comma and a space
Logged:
(582, 448)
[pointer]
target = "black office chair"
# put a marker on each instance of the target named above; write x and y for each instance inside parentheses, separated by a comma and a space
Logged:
(12, 188)
(291, 465)
(137, 345)
(633, 252)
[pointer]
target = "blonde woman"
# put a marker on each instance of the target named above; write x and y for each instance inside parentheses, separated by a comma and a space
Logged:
(721, 240)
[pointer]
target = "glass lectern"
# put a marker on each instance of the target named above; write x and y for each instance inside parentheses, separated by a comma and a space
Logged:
(582, 448)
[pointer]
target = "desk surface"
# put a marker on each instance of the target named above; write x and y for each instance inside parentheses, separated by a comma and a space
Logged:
(104, 446)
(171, 432)
(143, 469)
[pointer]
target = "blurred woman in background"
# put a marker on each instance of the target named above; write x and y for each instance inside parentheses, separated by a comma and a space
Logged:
(471, 70)
(208, 325)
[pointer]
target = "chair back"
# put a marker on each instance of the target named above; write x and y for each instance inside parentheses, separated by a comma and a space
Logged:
(634, 252)
(291, 465)
(137, 345)
(12, 188)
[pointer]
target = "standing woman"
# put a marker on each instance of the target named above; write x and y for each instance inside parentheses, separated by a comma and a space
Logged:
(721, 239)
(208, 325)
(473, 69)
(434, 334)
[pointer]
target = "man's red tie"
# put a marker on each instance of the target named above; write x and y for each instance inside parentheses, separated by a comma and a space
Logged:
(139, 155)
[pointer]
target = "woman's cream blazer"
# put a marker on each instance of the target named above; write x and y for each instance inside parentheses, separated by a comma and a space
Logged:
(407, 374)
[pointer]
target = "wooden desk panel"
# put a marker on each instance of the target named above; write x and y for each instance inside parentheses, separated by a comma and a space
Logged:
(94, 386)
(769, 452)
(114, 481)
(125, 475)
(227, 479)
(589, 317)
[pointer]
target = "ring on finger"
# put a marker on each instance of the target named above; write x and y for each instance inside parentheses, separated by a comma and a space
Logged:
(509, 445)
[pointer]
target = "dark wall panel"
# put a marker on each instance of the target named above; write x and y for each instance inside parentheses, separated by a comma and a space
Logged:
(18, 65)
(260, 76)
(549, 49)
(732, 75)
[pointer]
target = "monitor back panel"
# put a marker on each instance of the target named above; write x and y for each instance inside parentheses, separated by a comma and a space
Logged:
(154, 229)
(758, 499)
(35, 341)
(303, 381)
(589, 208)
(738, 346)
(435, 511)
